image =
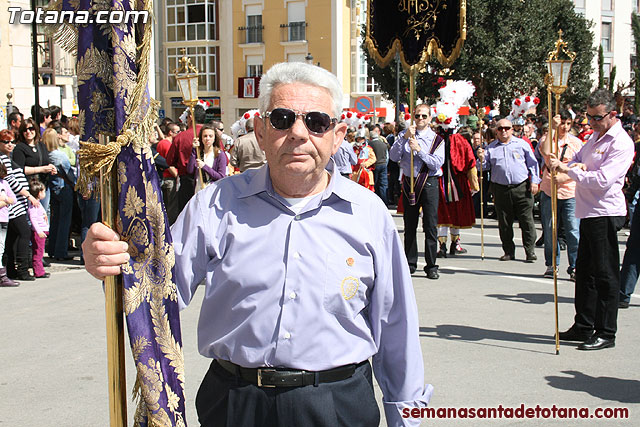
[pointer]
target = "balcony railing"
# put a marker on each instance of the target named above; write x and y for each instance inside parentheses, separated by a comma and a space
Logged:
(251, 34)
(294, 31)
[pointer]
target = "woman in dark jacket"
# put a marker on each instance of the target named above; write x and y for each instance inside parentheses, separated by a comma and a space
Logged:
(32, 155)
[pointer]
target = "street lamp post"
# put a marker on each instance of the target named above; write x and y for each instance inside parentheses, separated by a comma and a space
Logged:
(187, 79)
(557, 80)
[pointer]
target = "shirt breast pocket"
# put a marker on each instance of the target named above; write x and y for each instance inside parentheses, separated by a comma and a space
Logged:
(347, 281)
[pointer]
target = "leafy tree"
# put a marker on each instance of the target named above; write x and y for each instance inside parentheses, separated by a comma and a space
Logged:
(505, 53)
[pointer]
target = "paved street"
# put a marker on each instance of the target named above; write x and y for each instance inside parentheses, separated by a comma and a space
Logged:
(486, 331)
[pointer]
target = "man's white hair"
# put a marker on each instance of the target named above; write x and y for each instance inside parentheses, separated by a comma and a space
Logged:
(299, 72)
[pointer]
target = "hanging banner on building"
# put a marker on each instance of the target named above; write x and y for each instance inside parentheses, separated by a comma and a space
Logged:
(248, 87)
(417, 30)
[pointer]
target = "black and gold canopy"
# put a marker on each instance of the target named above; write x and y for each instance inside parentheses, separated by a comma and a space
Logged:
(417, 29)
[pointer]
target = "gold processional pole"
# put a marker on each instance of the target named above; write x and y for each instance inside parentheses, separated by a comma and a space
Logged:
(187, 78)
(480, 113)
(557, 80)
(113, 289)
(554, 205)
(412, 106)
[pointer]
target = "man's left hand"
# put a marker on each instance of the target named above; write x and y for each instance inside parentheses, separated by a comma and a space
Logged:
(534, 189)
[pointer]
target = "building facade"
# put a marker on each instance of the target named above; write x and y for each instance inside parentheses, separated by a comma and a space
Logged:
(612, 31)
(233, 42)
(56, 68)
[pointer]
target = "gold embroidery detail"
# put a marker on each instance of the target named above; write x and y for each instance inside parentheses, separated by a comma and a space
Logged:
(133, 204)
(152, 282)
(349, 287)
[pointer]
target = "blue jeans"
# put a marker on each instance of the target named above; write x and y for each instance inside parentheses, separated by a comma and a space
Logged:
(567, 211)
(631, 260)
(60, 222)
(380, 182)
(45, 202)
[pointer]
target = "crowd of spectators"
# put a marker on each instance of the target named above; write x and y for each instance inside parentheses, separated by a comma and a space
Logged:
(42, 149)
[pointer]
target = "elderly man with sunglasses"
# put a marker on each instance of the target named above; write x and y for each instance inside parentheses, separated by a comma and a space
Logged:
(514, 180)
(304, 274)
(598, 169)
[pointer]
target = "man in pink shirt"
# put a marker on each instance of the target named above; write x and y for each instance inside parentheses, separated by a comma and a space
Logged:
(568, 146)
(598, 169)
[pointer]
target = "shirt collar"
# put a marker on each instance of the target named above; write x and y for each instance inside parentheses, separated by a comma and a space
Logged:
(612, 132)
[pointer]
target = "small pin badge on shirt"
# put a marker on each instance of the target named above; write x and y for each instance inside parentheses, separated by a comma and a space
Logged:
(350, 262)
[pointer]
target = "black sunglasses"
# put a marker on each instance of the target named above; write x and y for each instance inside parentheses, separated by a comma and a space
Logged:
(315, 121)
(504, 128)
(421, 116)
(31, 128)
(597, 117)
(8, 142)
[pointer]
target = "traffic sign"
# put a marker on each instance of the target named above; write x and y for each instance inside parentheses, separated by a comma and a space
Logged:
(161, 114)
(364, 104)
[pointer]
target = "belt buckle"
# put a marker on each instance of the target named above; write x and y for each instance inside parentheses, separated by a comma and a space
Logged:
(260, 371)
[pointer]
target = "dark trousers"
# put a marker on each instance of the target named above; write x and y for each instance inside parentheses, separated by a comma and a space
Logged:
(17, 245)
(393, 192)
(631, 261)
(186, 190)
(89, 213)
(428, 201)
(514, 202)
(226, 400)
(170, 198)
(60, 222)
(598, 275)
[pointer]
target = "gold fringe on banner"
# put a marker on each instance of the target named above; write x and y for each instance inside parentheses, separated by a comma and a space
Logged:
(64, 33)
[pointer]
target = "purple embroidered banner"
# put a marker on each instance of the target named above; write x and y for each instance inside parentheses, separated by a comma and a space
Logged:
(112, 70)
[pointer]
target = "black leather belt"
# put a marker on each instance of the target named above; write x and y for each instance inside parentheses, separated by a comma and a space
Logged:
(509, 186)
(285, 377)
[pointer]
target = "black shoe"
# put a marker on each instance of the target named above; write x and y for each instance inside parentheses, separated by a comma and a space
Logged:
(623, 304)
(45, 263)
(412, 269)
(442, 253)
(432, 274)
(44, 276)
(573, 335)
(25, 276)
(540, 242)
(597, 343)
(66, 258)
(531, 258)
(563, 246)
(507, 257)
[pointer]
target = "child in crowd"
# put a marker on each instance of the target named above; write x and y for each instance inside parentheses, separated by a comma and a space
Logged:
(6, 198)
(39, 228)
